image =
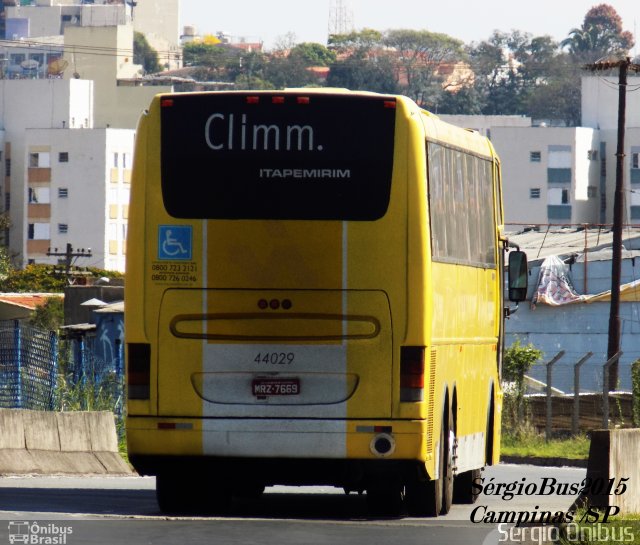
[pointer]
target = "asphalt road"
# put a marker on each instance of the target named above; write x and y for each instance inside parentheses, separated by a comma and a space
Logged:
(113, 510)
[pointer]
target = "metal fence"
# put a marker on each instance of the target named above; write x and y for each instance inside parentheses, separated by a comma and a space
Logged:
(554, 410)
(38, 370)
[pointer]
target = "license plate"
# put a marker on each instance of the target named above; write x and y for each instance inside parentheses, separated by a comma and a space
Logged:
(263, 387)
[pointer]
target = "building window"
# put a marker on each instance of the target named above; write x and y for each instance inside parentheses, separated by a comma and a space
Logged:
(63, 228)
(565, 196)
(63, 157)
(7, 167)
(635, 165)
(63, 192)
(39, 231)
(39, 160)
(534, 193)
(115, 160)
(592, 192)
(535, 156)
(39, 195)
(592, 155)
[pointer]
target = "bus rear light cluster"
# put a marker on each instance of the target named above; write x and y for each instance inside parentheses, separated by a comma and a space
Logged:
(138, 370)
(278, 99)
(275, 304)
(412, 373)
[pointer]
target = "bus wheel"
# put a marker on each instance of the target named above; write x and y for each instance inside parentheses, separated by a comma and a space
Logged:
(463, 489)
(384, 498)
(433, 498)
(446, 465)
(181, 494)
(248, 491)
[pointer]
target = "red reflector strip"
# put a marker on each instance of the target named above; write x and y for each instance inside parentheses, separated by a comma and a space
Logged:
(374, 429)
(383, 429)
(277, 100)
(166, 102)
(174, 426)
(303, 100)
(166, 426)
(390, 104)
(253, 100)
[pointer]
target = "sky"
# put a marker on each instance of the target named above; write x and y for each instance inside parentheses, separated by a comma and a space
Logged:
(467, 20)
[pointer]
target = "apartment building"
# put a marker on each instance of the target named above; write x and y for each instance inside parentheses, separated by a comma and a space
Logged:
(156, 19)
(566, 175)
(78, 190)
(67, 135)
(550, 174)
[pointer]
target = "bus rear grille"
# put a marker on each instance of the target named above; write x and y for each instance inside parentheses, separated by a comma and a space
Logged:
(431, 395)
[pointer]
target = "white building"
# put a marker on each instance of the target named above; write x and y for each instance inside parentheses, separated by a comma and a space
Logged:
(566, 175)
(156, 19)
(86, 196)
(66, 146)
(550, 174)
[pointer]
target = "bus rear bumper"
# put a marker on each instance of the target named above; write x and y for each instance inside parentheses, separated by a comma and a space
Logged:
(278, 438)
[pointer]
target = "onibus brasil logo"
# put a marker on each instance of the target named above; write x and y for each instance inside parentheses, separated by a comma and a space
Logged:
(38, 534)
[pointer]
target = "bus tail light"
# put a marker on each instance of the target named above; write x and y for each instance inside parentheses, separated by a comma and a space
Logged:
(412, 373)
(139, 370)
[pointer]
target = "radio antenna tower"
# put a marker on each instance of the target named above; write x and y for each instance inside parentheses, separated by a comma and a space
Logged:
(340, 17)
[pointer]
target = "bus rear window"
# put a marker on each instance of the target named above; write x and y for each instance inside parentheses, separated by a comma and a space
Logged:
(277, 156)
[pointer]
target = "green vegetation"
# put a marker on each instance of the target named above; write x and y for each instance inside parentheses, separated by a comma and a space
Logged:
(534, 445)
(517, 360)
(509, 73)
(49, 316)
(635, 385)
(44, 279)
(144, 54)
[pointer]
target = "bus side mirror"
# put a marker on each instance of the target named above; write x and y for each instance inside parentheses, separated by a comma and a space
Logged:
(518, 276)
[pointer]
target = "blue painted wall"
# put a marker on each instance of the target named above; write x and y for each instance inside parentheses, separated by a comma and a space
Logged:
(580, 328)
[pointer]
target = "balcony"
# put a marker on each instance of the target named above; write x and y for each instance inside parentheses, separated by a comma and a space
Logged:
(558, 212)
(559, 175)
(39, 175)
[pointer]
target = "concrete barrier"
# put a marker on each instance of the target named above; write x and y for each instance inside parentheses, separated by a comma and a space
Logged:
(43, 442)
(613, 471)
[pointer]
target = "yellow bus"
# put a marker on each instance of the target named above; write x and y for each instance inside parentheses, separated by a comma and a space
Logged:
(314, 296)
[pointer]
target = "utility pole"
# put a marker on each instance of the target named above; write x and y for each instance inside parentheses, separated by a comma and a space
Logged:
(69, 256)
(613, 344)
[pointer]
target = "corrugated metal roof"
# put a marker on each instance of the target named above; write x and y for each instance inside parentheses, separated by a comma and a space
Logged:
(541, 242)
(27, 300)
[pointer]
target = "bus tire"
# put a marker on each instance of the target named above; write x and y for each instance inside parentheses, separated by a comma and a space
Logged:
(446, 454)
(463, 489)
(423, 498)
(434, 497)
(384, 498)
(180, 494)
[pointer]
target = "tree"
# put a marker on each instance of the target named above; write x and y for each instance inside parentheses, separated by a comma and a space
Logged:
(419, 55)
(43, 278)
(497, 78)
(214, 61)
(313, 54)
(362, 63)
(375, 74)
(516, 362)
(144, 54)
(50, 315)
(358, 44)
(600, 35)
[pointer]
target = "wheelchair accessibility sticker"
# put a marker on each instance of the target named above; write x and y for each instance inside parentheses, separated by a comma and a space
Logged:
(174, 242)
